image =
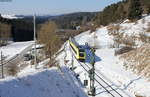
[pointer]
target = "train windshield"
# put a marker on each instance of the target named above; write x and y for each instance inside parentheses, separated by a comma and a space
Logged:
(81, 50)
(81, 54)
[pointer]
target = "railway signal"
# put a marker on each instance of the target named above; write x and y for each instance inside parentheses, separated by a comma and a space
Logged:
(91, 72)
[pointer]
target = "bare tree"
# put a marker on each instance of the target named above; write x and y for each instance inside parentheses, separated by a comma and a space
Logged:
(12, 69)
(47, 36)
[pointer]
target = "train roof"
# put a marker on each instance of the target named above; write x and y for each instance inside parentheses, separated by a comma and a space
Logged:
(74, 41)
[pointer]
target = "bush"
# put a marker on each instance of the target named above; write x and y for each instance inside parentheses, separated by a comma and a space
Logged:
(138, 96)
(144, 38)
(128, 41)
(113, 29)
(52, 63)
(12, 69)
(138, 60)
(148, 30)
(124, 40)
(123, 50)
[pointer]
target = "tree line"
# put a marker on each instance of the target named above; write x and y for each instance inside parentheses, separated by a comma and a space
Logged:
(72, 20)
(22, 29)
(131, 9)
(16, 29)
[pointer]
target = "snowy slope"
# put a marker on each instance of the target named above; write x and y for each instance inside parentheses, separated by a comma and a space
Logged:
(42, 83)
(14, 48)
(107, 64)
(134, 28)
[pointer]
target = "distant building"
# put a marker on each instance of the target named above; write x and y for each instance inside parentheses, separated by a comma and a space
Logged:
(78, 27)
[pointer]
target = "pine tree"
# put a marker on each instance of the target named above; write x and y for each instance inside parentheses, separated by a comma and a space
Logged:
(135, 9)
(148, 10)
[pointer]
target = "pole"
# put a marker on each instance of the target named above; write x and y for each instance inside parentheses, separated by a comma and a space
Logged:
(2, 64)
(93, 71)
(72, 62)
(92, 91)
(35, 52)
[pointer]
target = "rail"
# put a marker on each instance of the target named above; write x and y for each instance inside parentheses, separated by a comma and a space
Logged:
(105, 82)
(108, 91)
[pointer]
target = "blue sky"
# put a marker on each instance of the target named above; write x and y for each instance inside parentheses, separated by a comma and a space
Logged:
(52, 7)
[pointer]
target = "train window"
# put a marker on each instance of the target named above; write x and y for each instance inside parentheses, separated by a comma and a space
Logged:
(81, 55)
(79, 46)
(81, 50)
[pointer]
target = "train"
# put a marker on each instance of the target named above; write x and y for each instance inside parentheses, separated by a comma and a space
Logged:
(78, 51)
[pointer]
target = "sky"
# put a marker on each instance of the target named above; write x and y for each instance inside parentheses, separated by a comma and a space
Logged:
(52, 7)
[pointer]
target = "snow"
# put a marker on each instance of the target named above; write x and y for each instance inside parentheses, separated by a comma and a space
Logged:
(102, 38)
(109, 66)
(14, 48)
(136, 27)
(10, 16)
(112, 68)
(64, 83)
(42, 83)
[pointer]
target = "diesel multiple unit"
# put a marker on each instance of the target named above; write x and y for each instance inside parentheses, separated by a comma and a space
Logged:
(78, 50)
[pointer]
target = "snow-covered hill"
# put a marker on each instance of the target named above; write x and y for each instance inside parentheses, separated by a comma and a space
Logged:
(10, 16)
(110, 66)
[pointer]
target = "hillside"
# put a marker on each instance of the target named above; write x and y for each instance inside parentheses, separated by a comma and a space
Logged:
(138, 60)
(122, 57)
(65, 21)
(70, 21)
(135, 36)
(119, 11)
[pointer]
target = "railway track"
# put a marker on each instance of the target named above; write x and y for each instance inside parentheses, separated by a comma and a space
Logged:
(102, 81)
(107, 88)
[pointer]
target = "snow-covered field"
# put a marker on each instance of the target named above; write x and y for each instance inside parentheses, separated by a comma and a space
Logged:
(14, 48)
